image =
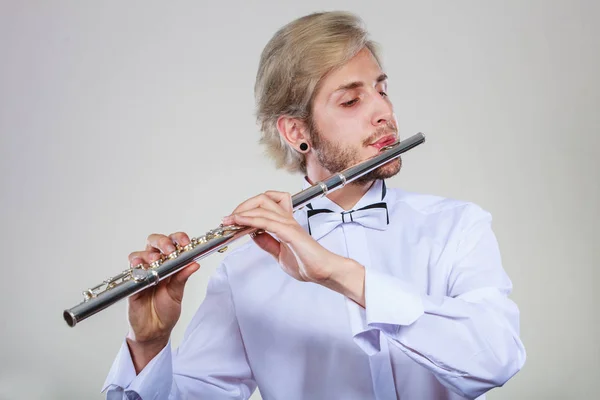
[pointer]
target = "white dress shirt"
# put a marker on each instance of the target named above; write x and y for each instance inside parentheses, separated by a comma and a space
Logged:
(438, 323)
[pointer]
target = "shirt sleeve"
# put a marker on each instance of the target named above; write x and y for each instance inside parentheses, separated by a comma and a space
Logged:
(210, 363)
(469, 338)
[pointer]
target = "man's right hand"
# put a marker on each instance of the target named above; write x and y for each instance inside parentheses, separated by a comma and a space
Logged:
(154, 311)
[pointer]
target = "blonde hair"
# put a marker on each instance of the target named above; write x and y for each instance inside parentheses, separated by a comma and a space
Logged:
(292, 66)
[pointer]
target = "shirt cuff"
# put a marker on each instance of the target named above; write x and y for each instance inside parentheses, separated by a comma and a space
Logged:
(153, 382)
(390, 303)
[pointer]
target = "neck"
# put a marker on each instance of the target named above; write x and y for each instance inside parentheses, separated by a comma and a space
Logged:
(346, 197)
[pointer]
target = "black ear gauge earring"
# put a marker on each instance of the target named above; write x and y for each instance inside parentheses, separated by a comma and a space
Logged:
(303, 146)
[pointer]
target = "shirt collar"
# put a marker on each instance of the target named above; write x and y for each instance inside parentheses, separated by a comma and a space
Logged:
(377, 193)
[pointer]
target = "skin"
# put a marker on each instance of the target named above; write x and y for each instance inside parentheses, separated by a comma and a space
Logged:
(345, 122)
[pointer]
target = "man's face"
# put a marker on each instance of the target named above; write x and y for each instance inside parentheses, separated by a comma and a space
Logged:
(353, 118)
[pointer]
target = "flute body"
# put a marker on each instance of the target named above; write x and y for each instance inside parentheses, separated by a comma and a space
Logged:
(140, 277)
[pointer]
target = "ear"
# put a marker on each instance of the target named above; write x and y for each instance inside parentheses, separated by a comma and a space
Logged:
(293, 130)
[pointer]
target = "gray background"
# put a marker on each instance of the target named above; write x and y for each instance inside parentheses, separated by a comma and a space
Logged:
(120, 119)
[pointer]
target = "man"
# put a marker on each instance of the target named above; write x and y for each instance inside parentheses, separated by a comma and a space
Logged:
(368, 293)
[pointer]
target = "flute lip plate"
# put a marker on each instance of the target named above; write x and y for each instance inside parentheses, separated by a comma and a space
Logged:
(390, 146)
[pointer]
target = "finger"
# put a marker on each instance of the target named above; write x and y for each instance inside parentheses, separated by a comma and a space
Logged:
(261, 222)
(283, 199)
(257, 212)
(161, 242)
(262, 201)
(180, 238)
(268, 243)
(141, 257)
(177, 283)
(182, 276)
(261, 212)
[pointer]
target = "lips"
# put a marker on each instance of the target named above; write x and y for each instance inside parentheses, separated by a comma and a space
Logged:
(384, 141)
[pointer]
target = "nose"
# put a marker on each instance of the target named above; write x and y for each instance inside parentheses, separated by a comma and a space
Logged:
(383, 111)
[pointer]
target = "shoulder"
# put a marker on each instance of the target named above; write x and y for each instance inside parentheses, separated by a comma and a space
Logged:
(432, 207)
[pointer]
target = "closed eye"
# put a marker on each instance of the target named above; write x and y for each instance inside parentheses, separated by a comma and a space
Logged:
(350, 103)
(353, 101)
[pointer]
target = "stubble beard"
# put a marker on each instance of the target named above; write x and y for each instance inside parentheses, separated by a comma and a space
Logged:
(336, 158)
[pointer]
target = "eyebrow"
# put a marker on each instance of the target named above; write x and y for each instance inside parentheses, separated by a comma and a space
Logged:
(354, 85)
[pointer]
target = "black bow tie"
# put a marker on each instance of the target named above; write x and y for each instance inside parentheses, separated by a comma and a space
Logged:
(321, 221)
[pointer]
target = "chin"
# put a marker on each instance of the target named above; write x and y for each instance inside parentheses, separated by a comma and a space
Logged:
(385, 171)
(390, 169)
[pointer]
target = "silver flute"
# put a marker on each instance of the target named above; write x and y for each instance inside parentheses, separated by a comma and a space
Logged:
(139, 277)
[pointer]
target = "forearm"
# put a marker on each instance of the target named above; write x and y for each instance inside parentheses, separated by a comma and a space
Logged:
(470, 342)
(471, 348)
(212, 342)
(347, 278)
